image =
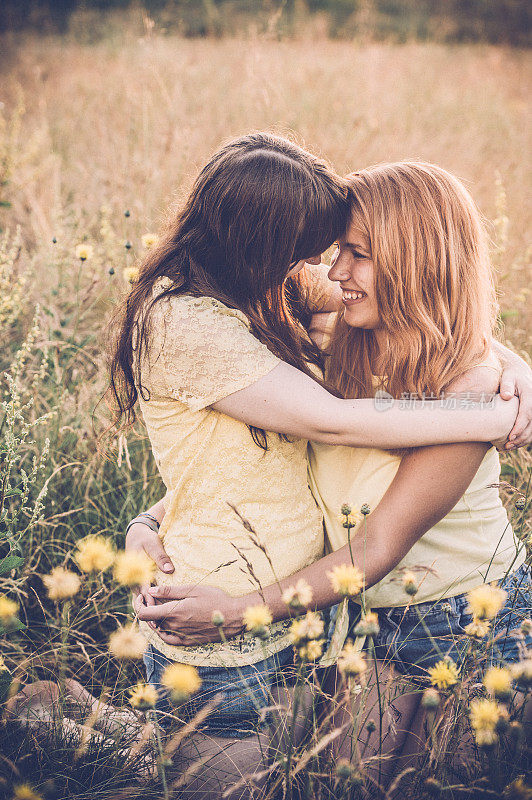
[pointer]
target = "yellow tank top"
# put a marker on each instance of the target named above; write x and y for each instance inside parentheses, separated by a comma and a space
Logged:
(474, 543)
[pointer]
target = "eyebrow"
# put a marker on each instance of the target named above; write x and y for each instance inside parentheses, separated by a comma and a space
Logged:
(361, 248)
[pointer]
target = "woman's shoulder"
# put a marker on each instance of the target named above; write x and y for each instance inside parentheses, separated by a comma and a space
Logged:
(182, 308)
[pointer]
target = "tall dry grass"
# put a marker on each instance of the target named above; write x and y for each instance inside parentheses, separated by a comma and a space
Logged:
(88, 132)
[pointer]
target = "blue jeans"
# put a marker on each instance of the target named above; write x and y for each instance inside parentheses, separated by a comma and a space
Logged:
(415, 637)
(245, 693)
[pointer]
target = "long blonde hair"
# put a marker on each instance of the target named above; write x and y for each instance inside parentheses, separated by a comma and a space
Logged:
(433, 282)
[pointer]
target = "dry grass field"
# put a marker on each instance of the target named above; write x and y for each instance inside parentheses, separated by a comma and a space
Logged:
(90, 132)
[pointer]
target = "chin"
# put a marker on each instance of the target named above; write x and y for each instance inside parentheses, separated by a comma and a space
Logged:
(355, 321)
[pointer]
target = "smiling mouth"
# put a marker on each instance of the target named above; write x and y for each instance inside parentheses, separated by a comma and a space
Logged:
(352, 297)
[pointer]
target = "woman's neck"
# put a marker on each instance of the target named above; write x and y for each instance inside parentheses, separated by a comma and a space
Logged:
(381, 343)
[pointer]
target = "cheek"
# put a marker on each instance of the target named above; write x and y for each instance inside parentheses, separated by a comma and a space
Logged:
(363, 274)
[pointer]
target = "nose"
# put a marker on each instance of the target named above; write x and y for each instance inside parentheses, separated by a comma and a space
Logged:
(339, 270)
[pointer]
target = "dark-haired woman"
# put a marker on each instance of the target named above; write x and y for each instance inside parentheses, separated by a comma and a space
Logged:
(212, 344)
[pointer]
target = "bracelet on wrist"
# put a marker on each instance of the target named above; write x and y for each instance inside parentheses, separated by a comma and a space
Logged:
(146, 519)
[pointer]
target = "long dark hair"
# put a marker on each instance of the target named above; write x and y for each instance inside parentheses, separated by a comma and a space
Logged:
(261, 204)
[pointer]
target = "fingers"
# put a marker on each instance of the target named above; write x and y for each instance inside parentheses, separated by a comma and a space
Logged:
(148, 598)
(507, 386)
(521, 436)
(155, 612)
(522, 430)
(171, 592)
(154, 548)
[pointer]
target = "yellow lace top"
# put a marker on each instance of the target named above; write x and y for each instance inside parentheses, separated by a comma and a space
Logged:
(201, 351)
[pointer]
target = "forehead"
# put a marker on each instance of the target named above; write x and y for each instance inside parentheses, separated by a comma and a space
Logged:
(356, 233)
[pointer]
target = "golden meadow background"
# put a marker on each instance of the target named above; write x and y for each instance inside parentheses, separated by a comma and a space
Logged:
(101, 131)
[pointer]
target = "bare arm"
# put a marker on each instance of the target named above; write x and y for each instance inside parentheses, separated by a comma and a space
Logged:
(288, 401)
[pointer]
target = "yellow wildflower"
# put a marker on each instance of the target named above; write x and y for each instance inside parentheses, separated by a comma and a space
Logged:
(133, 568)
(351, 661)
(84, 252)
(298, 596)
(311, 651)
(306, 628)
(444, 674)
(479, 628)
(486, 601)
(94, 554)
(25, 792)
(149, 239)
(257, 619)
(143, 696)
(131, 274)
(485, 737)
(8, 610)
(182, 680)
(346, 579)
(127, 643)
(498, 681)
(61, 583)
(485, 715)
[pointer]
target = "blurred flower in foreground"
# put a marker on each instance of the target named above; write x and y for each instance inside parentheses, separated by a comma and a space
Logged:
(478, 629)
(486, 601)
(347, 517)
(444, 674)
(368, 625)
(133, 568)
(522, 671)
(298, 596)
(8, 610)
(94, 554)
(127, 643)
(84, 252)
(430, 699)
(143, 696)
(25, 792)
(218, 618)
(498, 681)
(409, 583)
(131, 274)
(149, 239)
(346, 579)
(308, 627)
(61, 583)
(485, 715)
(311, 650)
(351, 661)
(257, 619)
(182, 680)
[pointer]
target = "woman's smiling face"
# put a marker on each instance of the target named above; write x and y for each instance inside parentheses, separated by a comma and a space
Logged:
(353, 268)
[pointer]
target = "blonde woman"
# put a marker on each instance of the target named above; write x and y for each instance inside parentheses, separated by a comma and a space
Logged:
(419, 312)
